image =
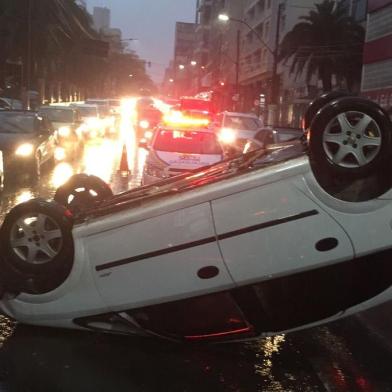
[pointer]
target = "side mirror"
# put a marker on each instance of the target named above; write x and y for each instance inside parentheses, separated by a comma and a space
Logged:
(143, 143)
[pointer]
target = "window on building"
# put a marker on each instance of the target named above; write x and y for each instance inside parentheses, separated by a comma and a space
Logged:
(265, 57)
(260, 29)
(269, 4)
(249, 37)
(261, 6)
(266, 30)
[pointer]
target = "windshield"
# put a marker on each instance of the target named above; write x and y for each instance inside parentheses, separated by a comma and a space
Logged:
(242, 123)
(58, 115)
(187, 142)
(86, 111)
(16, 123)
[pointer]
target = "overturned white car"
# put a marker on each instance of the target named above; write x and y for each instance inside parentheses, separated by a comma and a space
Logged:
(259, 244)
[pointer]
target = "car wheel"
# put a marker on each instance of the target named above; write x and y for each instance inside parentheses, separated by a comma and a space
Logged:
(350, 136)
(82, 191)
(36, 247)
(318, 103)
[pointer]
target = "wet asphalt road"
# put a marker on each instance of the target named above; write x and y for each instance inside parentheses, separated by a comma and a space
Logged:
(344, 356)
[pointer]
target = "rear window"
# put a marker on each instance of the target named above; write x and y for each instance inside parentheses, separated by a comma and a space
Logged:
(58, 115)
(17, 123)
(242, 123)
(86, 111)
(187, 142)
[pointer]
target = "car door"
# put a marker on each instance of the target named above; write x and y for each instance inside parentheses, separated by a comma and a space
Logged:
(163, 258)
(275, 230)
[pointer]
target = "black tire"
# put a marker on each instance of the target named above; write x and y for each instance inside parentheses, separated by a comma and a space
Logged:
(37, 248)
(351, 137)
(318, 103)
(81, 192)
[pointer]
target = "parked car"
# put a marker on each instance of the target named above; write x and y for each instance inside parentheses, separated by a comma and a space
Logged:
(240, 249)
(27, 141)
(175, 150)
(235, 129)
(67, 122)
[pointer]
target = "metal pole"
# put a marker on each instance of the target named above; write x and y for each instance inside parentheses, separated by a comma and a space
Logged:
(275, 77)
(28, 60)
(237, 68)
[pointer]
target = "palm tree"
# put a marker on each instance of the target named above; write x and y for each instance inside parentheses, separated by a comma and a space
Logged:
(327, 42)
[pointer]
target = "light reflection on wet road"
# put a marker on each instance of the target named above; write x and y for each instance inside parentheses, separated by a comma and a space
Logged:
(341, 357)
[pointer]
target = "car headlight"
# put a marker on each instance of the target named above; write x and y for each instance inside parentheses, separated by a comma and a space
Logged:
(59, 154)
(144, 124)
(227, 136)
(64, 131)
(25, 150)
(93, 122)
(148, 134)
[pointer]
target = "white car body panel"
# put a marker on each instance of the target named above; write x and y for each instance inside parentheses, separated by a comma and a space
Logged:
(77, 296)
(373, 216)
(168, 276)
(277, 249)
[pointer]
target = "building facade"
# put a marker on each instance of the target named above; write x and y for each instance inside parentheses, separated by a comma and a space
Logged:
(377, 59)
(184, 46)
(101, 18)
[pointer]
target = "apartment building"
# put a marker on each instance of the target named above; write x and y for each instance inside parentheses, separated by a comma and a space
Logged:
(377, 58)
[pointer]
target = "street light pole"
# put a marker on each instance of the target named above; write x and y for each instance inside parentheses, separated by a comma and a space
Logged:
(28, 59)
(237, 69)
(275, 81)
(274, 93)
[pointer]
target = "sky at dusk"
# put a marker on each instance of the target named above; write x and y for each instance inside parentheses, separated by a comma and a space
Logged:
(152, 22)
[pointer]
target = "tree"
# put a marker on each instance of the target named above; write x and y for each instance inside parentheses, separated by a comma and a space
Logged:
(64, 46)
(327, 42)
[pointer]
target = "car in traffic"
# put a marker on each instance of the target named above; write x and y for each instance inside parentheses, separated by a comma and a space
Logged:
(28, 141)
(273, 138)
(178, 149)
(235, 129)
(148, 116)
(92, 125)
(10, 104)
(237, 250)
(67, 122)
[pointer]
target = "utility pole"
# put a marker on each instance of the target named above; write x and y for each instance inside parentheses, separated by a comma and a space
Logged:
(28, 58)
(237, 68)
(275, 77)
